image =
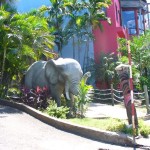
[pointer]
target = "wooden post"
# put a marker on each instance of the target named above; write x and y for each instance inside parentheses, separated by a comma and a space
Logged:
(112, 94)
(147, 99)
(131, 91)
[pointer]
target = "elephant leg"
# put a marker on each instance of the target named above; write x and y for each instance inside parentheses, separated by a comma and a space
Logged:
(57, 100)
(56, 92)
(56, 96)
(71, 105)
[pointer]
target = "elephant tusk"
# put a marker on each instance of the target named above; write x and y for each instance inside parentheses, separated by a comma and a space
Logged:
(67, 90)
(67, 95)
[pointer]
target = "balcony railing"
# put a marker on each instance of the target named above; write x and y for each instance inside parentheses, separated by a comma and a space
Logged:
(133, 3)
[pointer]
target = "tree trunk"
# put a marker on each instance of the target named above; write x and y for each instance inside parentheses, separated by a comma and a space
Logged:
(73, 42)
(85, 61)
(79, 50)
(3, 64)
(145, 70)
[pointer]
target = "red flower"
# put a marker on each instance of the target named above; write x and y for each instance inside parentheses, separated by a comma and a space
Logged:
(38, 89)
(45, 88)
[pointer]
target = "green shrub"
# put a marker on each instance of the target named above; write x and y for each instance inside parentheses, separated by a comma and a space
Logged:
(59, 112)
(115, 125)
(83, 97)
(127, 130)
(13, 91)
(144, 129)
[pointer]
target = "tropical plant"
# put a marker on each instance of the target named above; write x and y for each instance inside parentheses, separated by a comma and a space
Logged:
(140, 53)
(83, 97)
(7, 40)
(25, 38)
(56, 21)
(59, 112)
(34, 98)
(103, 71)
(72, 19)
(95, 12)
(35, 31)
(83, 17)
(8, 5)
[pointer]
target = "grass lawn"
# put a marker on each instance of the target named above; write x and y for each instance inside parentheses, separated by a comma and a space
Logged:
(109, 124)
(114, 125)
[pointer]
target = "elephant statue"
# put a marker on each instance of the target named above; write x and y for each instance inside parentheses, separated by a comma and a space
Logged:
(59, 76)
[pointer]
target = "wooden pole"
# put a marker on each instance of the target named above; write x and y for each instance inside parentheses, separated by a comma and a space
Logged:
(131, 91)
(112, 94)
(147, 99)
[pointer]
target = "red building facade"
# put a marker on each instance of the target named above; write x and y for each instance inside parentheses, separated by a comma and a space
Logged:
(128, 17)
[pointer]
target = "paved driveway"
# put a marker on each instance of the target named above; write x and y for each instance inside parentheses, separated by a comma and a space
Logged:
(20, 131)
(97, 110)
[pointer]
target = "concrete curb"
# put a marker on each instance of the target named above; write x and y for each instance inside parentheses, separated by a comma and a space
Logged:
(88, 132)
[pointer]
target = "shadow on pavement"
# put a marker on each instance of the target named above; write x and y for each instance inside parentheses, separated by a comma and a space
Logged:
(9, 110)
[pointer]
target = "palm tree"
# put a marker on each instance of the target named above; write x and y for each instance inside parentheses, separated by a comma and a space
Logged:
(72, 19)
(26, 37)
(56, 21)
(35, 32)
(95, 12)
(8, 5)
(83, 17)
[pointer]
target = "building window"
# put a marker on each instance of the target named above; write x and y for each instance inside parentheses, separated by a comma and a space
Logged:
(128, 18)
(141, 22)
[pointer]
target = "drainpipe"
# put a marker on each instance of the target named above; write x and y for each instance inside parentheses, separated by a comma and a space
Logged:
(148, 14)
(144, 21)
(136, 21)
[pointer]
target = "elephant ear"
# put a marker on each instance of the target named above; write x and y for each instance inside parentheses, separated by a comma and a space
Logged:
(53, 71)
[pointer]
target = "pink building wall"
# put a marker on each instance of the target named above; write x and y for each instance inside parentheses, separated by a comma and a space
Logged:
(106, 40)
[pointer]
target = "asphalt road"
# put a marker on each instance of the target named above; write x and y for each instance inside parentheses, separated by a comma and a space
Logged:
(20, 131)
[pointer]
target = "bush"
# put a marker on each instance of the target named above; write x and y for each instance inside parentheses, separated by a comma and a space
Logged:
(115, 125)
(36, 98)
(83, 97)
(144, 129)
(13, 92)
(127, 130)
(59, 112)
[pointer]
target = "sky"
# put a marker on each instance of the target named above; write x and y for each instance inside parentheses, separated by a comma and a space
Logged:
(26, 5)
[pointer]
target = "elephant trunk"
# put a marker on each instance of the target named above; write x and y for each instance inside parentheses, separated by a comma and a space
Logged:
(71, 87)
